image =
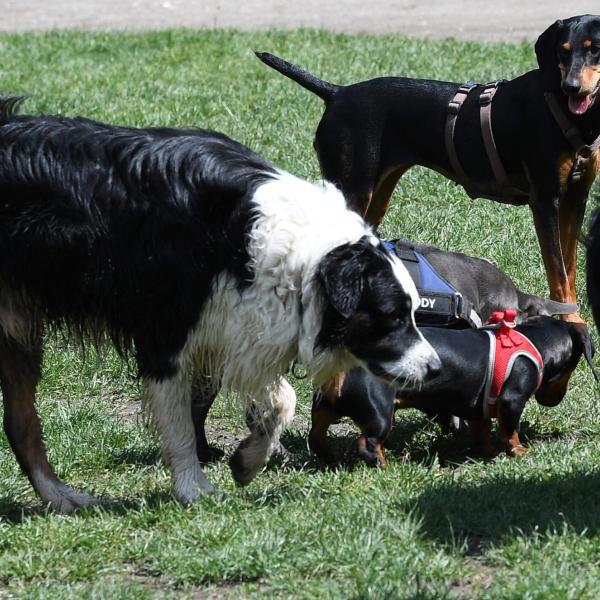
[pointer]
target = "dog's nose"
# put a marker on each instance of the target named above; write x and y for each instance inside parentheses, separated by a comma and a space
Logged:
(571, 86)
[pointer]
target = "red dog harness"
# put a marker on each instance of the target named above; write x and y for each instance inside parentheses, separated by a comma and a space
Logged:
(506, 345)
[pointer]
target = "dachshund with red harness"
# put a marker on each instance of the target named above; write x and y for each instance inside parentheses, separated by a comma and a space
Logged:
(486, 373)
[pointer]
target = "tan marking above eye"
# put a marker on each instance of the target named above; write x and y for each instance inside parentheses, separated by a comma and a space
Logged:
(587, 43)
(567, 46)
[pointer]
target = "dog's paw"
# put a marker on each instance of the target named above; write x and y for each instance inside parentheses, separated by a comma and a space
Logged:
(65, 499)
(518, 451)
(242, 470)
(191, 483)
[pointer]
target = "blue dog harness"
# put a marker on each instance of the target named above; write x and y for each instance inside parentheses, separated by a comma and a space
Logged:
(442, 305)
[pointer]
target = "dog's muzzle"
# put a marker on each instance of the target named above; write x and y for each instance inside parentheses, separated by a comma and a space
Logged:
(417, 364)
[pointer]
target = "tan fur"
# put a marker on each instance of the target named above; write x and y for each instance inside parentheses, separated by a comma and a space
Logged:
(590, 77)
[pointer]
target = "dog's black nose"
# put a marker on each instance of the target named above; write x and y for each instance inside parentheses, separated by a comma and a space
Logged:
(571, 86)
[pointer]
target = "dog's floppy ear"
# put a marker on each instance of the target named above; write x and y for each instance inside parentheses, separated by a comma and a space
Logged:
(547, 308)
(587, 346)
(341, 273)
(547, 57)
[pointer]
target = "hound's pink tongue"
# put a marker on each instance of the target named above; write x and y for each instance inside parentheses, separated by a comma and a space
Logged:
(579, 105)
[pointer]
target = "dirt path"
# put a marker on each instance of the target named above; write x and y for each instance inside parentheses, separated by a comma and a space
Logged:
(504, 20)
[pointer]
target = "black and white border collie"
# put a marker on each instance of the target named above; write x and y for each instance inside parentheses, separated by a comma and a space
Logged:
(200, 259)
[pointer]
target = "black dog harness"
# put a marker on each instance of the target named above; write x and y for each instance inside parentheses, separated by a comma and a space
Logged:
(507, 191)
(583, 151)
(442, 305)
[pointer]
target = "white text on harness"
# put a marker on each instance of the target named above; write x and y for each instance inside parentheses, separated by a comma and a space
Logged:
(427, 302)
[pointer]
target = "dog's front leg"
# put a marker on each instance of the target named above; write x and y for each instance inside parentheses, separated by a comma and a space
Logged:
(544, 207)
(482, 436)
(508, 428)
(571, 213)
(268, 415)
(169, 402)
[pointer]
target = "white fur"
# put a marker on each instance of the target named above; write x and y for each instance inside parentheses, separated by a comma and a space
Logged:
(414, 364)
(251, 338)
(169, 402)
(248, 339)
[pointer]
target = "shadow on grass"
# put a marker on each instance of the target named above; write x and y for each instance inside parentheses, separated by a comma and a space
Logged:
(507, 505)
(14, 512)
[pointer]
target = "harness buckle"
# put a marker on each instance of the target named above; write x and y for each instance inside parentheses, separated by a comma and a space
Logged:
(489, 90)
(454, 107)
(465, 88)
(486, 96)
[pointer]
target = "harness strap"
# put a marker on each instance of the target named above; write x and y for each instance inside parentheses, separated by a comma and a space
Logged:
(442, 305)
(501, 358)
(485, 117)
(453, 109)
(583, 151)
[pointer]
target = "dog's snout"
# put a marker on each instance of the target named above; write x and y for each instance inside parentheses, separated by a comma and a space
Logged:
(571, 86)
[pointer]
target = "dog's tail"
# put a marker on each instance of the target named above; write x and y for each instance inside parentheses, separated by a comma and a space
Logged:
(592, 266)
(534, 306)
(323, 89)
(8, 106)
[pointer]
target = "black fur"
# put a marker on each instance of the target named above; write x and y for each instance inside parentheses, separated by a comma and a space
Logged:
(122, 230)
(373, 131)
(457, 388)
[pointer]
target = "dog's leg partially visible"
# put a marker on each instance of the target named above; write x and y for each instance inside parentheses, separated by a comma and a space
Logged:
(380, 200)
(19, 375)
(267, 417)
(204, 391)
(544, 208)
(571, 213)
(169, 402)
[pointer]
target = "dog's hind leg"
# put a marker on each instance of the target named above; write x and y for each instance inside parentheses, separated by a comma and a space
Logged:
(381, 197)
(19, 375)
(204, 391)
(169, 402)
(267, 417)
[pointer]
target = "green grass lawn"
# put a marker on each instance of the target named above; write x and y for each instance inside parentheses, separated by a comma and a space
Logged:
(439, 523)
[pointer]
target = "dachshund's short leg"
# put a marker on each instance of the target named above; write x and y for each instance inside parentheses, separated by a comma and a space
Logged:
(517, 389)
(269, 414)
(19, 375)
(482, 436)
(370, 449)
(508, 429)
(204, 392)
(323, 415)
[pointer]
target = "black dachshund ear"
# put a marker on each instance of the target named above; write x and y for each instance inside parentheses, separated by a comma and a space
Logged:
(588, 348)
(547, 56)
(341, 273)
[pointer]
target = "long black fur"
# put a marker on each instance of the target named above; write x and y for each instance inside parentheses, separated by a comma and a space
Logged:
(133, 223)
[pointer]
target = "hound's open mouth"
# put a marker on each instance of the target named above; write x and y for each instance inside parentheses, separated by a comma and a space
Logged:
(579, 105)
